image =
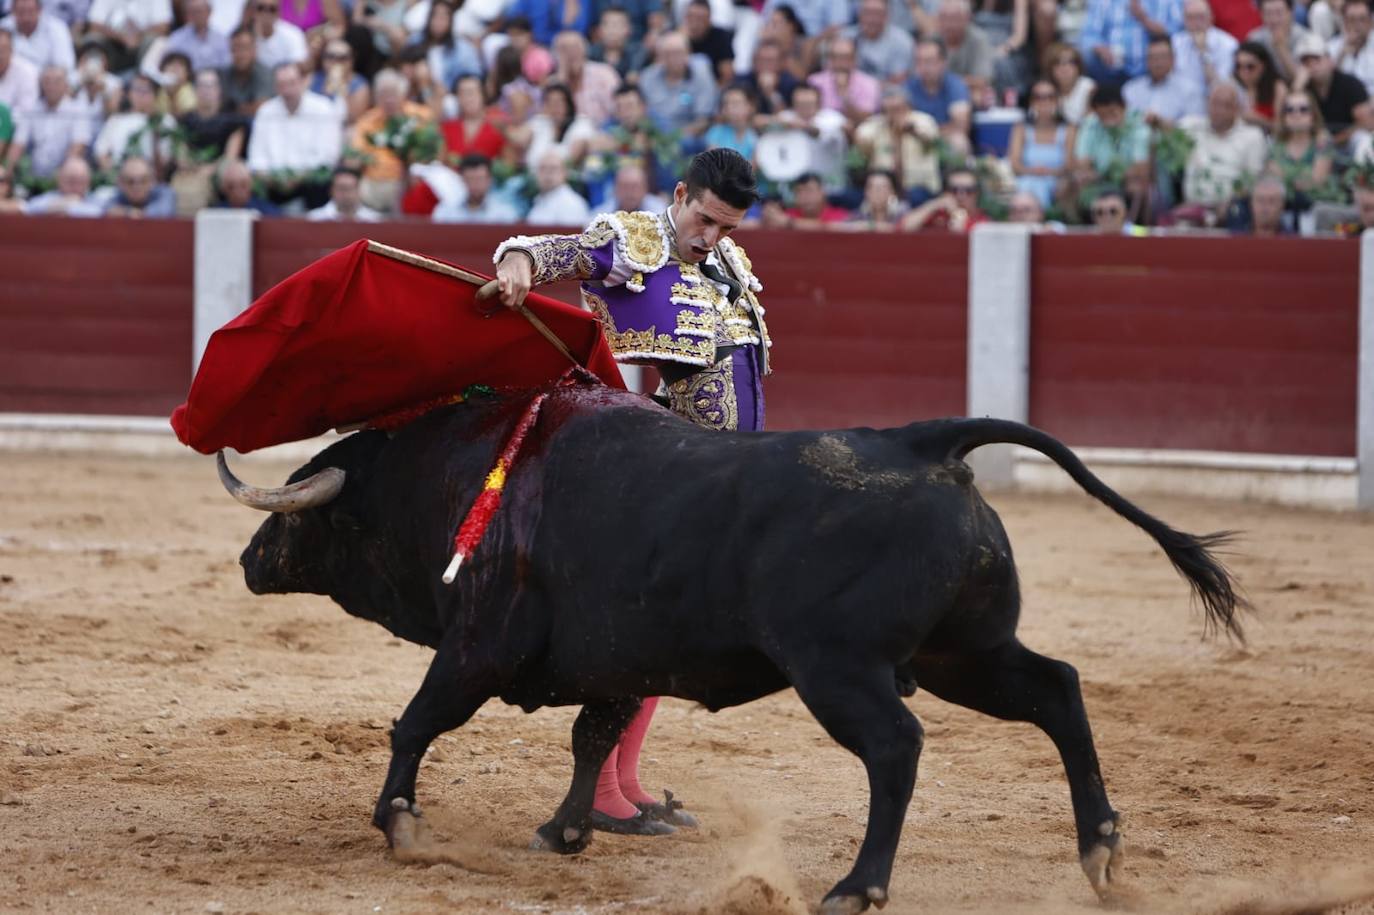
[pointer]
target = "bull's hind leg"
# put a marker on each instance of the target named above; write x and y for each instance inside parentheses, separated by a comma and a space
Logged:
(1016, 684)
(862, 712)
(595, 732)
(446, 700)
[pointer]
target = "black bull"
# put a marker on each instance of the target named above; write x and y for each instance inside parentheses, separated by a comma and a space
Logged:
(637, 555)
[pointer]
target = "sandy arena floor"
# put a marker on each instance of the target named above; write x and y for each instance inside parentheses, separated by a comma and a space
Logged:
(170, 743)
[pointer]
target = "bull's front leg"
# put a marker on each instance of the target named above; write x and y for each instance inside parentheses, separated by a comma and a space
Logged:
(447, 698)
(862, 712)
(595, 732)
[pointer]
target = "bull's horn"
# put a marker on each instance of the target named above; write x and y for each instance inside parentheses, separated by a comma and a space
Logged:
(315, 490)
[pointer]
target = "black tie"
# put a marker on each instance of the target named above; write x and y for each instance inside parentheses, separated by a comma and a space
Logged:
(714, 273)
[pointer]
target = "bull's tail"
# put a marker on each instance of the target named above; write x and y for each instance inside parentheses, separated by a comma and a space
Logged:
(1192, 555)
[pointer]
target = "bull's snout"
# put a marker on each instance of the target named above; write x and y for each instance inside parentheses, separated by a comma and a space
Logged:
(256, 569)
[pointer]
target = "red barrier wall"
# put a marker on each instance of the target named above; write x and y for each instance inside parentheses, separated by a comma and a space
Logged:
(1198, 343)
(95, 315)
(868, 329)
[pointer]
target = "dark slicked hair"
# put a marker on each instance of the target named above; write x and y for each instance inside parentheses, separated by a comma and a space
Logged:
(724, 173)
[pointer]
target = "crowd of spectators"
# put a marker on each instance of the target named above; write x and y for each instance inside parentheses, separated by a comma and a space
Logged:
(876, 115)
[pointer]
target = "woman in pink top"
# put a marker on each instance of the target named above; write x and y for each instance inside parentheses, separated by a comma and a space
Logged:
(306, 14)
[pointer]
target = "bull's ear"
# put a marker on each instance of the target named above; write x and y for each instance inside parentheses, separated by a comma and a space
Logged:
(343, 521)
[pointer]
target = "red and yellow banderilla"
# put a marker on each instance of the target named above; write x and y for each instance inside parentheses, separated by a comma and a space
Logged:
(489, 499)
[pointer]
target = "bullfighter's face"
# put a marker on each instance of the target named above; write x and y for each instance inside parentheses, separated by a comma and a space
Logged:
(701, 222)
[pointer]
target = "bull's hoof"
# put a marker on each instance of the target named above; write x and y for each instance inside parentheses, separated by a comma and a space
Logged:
(670, 812)
(852, 903)
(1103, 861)
(847, 904)
(641, 824)
(564, 840)
(406, 830)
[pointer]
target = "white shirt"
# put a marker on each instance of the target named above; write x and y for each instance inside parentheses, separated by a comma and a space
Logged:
(1219, 50)
(286, 45)
(1217, 160)
(47, 134)
(19, 85)
(226, 15)
(492, 210)
(120, 129)
(652, 203)
(306, 140)
(55, 202)
(330, 213)
(1359, 65)
(561, 206)
(50, 43)
(542, 137)
(141, 14)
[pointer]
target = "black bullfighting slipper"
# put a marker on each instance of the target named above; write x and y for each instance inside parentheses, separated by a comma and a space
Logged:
(670, 812)
(640, 824)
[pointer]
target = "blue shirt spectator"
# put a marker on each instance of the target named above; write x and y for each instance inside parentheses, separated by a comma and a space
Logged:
(1113, 39)
(549, 17)
(679, 90)
(816, 15)
(1162, 94)
(202, 45)
(950, 91)
(645, 15)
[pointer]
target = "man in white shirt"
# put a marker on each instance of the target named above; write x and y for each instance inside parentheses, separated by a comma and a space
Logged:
(630, 193)
(1225, 149)
(278, 42)
(73, 194)
(479, 205)
(198, 40)
(1352, 50)
(1203, 53)
(18, 77)
(53, 130)
(1163, 95)
(125, 28)
(556, 204)
(345, 201)
(295, 136)
(825, 129)
(39, 38)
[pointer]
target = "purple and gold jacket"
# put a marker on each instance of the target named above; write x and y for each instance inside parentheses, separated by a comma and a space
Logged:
(653, 307)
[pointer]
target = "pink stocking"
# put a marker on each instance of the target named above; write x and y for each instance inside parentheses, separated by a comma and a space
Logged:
(630, 743)
(609, 799)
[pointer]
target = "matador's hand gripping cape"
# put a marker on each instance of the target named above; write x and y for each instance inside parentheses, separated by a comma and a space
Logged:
(366, 331)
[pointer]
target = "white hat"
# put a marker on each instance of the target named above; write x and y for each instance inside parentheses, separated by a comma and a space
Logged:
(1310, 45)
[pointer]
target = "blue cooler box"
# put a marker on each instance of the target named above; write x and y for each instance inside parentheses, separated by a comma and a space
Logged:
(992, 130)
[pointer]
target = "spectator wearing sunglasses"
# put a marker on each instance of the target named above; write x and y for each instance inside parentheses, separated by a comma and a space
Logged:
(1341, 98)
(1301, 153)
(956, 210)
(1109, 215)
(337, 80)
(278, 42)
